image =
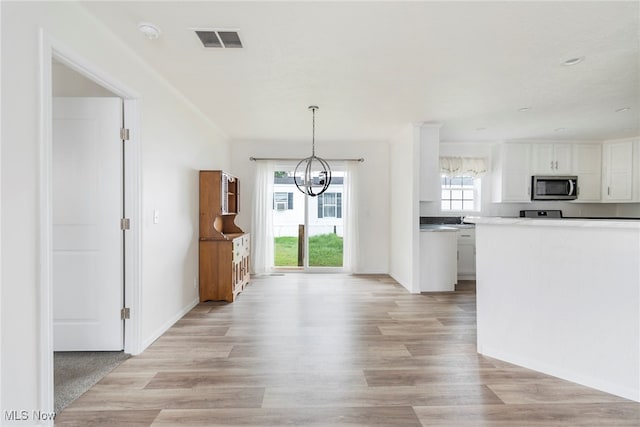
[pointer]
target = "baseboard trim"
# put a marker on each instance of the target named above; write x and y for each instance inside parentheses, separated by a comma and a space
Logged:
(169, 323)
(562, 372)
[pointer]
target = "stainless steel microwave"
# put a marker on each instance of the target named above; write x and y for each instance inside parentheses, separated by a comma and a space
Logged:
(554, 187)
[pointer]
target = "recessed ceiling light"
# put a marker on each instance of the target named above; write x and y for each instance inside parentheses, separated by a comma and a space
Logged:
(573, 61)
(560, 129)
(149, 30)
(523, 109)
(620, 110)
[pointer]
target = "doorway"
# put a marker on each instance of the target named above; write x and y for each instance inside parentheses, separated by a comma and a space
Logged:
(308, 231)
(88, 246)
(126, 339)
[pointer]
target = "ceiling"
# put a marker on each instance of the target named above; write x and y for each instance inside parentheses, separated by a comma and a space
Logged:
(373, 67)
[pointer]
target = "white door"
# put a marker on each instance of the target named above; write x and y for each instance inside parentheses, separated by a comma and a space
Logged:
(87, 240)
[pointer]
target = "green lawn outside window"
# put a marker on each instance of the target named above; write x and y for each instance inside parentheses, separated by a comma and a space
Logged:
(325, 250)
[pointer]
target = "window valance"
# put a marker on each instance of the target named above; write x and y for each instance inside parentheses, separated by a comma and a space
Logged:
(456, 166)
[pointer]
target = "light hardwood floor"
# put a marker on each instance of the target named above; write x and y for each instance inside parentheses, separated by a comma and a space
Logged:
(335, 350)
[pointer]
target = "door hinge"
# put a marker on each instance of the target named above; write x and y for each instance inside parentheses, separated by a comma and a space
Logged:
(125, 313)
(124, 134)
(125, 224)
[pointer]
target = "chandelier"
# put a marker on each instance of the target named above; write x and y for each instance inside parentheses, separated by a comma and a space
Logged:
(312, 175)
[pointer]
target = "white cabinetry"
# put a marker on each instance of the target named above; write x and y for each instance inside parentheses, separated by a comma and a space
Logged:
(587, 165)
(467, 253)
(511, 172)
(429, 137)
(438, 270)
(619, 182)
(551, 159)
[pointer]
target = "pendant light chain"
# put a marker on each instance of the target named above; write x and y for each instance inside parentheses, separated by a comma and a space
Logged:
(313, 109)
(312, 175)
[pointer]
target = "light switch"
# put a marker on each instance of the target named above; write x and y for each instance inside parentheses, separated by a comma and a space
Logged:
(156, 216)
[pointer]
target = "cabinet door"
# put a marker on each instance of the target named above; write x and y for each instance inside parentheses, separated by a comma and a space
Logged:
(247, 258)
(551, 159)
(466, 252)
(466, 259)
(618, 171)
(587, 165)
(429, 186)
(516, 179)
(543, 159)
(216, 273)
(562, 159)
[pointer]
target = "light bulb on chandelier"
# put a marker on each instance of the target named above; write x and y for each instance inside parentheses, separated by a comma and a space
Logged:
(312, 175)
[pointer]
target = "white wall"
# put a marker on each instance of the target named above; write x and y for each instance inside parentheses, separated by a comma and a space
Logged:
(175, 143)
(67, 82)
(404, 171)
(483, 149)
(373, 209)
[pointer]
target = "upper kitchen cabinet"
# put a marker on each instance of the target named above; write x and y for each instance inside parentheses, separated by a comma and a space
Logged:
(511, 172)
(429, 137)
(621, 171)
(587, 165)
(551, 159)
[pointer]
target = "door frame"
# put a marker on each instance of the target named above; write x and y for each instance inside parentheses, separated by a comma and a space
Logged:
(306, 268)
(49, 49)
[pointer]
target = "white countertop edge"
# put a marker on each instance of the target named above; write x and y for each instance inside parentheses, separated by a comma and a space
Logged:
(592, 223)
(437, 229)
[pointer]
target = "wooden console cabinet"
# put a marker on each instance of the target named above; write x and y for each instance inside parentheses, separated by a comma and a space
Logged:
(224, 249)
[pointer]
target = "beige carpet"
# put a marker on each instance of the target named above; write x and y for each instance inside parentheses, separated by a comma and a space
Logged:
(75, 372)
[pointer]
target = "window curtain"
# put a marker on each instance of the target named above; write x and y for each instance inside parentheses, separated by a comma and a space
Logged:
(350, 202)
(469, 166)
(262, 219)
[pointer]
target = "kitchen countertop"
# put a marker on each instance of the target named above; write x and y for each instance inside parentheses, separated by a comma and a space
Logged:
(557, 222)
(439, 228)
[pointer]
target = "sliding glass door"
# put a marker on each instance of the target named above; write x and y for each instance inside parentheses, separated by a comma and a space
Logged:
(325, 227)
(308, 231)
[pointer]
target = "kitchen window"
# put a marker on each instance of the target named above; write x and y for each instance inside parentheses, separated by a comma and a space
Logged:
(460, 193)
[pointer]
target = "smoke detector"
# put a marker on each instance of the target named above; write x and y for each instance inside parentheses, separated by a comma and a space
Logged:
(149, 30)
(222, 39)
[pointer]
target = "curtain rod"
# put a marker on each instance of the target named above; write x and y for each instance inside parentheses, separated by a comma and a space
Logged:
(255, 159)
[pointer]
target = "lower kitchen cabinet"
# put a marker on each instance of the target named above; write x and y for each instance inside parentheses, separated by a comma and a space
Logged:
(224, 268)
(438, 260)
(467, 254)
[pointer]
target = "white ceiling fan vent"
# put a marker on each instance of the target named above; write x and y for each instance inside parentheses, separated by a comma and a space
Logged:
(224, 39)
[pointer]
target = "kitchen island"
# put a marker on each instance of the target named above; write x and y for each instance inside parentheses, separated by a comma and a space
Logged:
(562, 297)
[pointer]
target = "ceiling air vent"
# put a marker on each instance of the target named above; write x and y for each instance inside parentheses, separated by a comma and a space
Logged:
(219, 38)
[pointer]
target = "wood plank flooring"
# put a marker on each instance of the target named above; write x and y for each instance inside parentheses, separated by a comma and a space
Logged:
(334, 350)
